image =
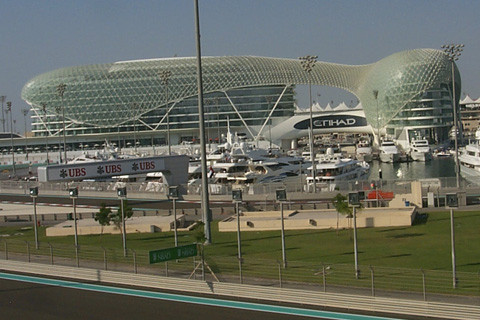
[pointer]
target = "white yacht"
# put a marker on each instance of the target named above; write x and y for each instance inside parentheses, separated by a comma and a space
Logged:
(442, 153)
(252, 173)
(420, 150)
(469, 159)
(389, 152)
(364, 151)
(334, 168)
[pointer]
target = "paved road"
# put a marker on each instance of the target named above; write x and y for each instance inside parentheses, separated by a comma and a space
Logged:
(22, 300)
(30, 298)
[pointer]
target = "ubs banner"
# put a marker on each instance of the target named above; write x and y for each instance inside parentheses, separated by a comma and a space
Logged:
(100, 169)
(332, 121)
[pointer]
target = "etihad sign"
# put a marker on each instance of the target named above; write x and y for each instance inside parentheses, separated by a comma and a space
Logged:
(332, 121)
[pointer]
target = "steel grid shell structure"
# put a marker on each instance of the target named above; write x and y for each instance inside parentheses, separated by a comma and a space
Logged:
(101, 96)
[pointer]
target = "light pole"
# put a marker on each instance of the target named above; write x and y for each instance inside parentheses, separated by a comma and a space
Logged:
(134, 111)
(453, 51)
(58, 109)
(2, 98)
(281, 196)
(354, 201)
(375, 95)
(451, 202)
(44, 109)
(173, 194)
(122, 195)
(208, 103)
(73, 193)
(216, 99)
(308, 62)
(269, 101)
(9, 109)
(165, 76)
(201, 124)
(237, 199)
(25, 112)
(34, 195)
(60, 91)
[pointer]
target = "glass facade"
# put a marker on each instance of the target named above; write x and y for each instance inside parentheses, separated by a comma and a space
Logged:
(413, 88)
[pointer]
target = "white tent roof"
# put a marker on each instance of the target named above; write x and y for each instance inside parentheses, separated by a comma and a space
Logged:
(469, 100)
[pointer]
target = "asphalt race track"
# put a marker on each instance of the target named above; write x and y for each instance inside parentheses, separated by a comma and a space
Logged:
(26, 297)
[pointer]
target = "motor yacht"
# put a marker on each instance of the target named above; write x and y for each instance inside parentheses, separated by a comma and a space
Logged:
(252, 173)
(442, 153)
(420, 150)
(389, 152)
(469, 159)
(335, 168)
(363, 151)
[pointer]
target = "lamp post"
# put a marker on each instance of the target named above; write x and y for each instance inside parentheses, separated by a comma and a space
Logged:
(308, 62)
(281, 196)
(208, 102)
(451, 202)
(217, 100)
(453, 51)
(25, 112)
(9, 109)
(45, 118)
(34, 195)
(58, 109)
(2, 98)
(122, 195)
(201, 124)
(60, 91)
(269, 101)
(73, 193)
(173, 194)
(375, 95)
(134, 111)
(165, 76)
(237, 199)
(354, 201)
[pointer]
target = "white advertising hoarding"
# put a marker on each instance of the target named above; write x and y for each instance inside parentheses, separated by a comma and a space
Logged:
(101, 169)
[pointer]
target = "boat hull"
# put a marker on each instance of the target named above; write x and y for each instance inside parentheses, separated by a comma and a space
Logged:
(421, 156)
(389, 157)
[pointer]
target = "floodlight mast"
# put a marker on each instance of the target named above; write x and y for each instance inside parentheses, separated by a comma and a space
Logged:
(308, 62)
(165, 76)
(201, 124)
(61, 91)
(2, 99)
(453, 51)
(9, 109)
(44, 109)
(375, 95)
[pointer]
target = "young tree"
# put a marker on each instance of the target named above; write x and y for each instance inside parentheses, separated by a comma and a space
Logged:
(199, 232)
(341, 205)
(116, 218)
(103, 216)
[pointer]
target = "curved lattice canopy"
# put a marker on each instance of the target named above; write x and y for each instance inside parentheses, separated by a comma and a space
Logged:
(102, 95)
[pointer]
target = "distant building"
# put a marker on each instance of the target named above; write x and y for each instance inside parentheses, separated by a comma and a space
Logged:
(470, 116)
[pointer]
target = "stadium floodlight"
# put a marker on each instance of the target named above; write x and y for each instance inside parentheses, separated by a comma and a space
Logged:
(453, 51)
(308, 62)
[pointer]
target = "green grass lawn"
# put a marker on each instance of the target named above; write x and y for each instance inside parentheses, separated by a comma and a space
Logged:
(425, 245)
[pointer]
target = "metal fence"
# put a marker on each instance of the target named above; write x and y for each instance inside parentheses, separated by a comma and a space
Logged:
(436, 185)
(418, 284)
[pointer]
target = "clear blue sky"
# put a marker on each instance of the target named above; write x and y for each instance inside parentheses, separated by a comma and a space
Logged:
(40, 36)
